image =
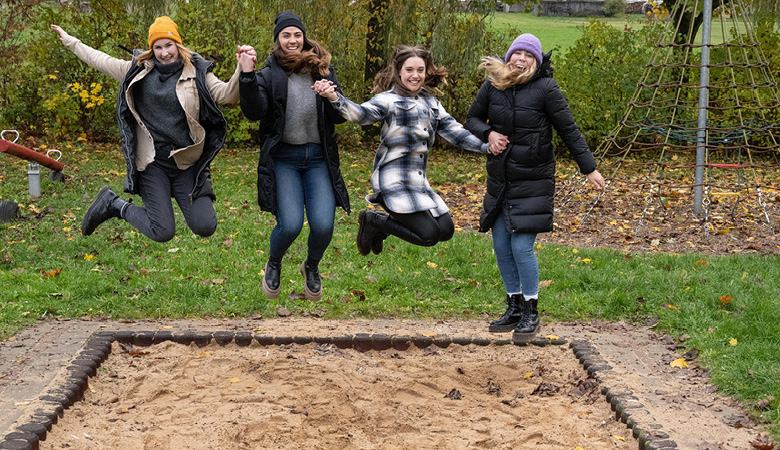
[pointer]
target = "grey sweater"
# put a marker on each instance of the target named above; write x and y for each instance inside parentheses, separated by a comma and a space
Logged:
(301, 112)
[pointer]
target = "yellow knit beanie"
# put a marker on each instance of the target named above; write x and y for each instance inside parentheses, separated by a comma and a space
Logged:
(163, 28)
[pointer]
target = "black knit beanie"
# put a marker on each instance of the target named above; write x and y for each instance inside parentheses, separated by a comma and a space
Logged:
(287, 19)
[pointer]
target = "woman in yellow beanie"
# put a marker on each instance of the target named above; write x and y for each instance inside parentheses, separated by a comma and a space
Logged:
(171, 129)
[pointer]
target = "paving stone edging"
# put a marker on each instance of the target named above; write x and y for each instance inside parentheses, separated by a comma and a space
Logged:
(98, 347)
(626, 406)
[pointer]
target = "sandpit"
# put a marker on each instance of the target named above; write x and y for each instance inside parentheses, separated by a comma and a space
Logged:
(319, 396)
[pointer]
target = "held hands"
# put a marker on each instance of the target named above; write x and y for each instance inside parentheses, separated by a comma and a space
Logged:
(247, 58)
(497, 142)
(597, 180)
(326, 89)
(60, 31)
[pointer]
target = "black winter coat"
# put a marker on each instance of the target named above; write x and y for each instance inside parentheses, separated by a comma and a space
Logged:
(521, 180)
(264, 98)
(211, 119)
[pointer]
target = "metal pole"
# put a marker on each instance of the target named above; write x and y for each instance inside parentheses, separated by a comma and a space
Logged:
(704, 83)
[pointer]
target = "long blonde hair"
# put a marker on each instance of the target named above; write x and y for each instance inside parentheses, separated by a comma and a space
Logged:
(391, 75)
(185, 55)
(504, 75)
(314, 59)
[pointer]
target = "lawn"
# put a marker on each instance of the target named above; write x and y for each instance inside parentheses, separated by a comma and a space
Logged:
(560, 33)
(557, 32)
(726, 305)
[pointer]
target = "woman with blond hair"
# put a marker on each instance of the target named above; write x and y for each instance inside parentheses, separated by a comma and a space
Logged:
(171, 129)
(519, 105)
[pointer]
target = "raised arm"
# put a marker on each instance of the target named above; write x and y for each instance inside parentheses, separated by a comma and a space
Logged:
(255, 101)
(113, 67)
(227, 93)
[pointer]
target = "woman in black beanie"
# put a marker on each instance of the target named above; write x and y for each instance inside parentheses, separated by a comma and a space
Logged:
(298, 168)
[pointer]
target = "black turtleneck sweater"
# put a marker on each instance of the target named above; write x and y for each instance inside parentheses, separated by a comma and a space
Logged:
(160, 110)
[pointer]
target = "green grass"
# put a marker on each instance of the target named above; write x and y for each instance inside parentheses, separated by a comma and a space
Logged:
(120, 274)
(560, 33)
(557, 33)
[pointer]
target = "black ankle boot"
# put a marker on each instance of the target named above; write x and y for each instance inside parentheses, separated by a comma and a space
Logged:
(369, 229)
(312, 285)
(271, 280)
(377, 245)
(511, 316)
(102, 209)
(528, 325)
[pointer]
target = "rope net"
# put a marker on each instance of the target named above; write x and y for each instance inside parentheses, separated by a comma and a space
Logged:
(649, 159)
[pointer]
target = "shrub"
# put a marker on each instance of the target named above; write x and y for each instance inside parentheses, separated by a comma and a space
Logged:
(44, 96)
(598, 74)
(613, 8)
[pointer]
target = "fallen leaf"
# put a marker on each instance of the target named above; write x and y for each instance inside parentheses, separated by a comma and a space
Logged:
(235, 380)
(51, 273)
(679, 363)
(764, 403)
(619, 438)
(733, 342)
(762, 443)
(552, 337)
(454, 394)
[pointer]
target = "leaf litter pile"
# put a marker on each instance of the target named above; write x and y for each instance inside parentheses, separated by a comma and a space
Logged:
(641, 214)
(321, 397)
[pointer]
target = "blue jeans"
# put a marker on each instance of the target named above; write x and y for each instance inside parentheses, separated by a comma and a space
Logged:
(516, 259)
(302, 181)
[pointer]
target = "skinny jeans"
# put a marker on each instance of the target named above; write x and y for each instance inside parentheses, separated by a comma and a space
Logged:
(156, 220)
(302, 184)
(516, 259)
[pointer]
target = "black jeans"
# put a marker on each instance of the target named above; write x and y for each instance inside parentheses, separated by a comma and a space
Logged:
(156, 219)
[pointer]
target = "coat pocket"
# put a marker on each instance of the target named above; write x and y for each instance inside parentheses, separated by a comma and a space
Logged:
(406, 114)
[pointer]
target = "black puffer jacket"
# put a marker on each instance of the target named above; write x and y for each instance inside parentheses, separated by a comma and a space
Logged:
(264, 98)
(521, 180)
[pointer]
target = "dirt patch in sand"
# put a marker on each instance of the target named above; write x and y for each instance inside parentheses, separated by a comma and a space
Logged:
(321, 397)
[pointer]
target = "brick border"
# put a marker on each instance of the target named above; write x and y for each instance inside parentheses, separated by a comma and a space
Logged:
(98, 347)
(624, 403)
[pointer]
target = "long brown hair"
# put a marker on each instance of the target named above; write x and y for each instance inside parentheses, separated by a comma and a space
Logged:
(314, 59)
(504, 75)
(391, 75)
(185, 55)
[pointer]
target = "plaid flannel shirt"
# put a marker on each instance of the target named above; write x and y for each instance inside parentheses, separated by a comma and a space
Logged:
(409, 127)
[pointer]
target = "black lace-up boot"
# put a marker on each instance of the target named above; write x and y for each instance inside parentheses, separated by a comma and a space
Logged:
(272, 277)
(528, 325)
(511, 316)
(312, 285)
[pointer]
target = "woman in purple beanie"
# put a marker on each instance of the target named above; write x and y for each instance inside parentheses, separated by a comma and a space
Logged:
(521, 100)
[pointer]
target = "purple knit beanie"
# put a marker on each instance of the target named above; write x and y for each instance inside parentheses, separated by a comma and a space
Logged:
(527, 42)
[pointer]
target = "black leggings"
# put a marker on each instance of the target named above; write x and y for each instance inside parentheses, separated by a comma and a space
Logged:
(420, 228)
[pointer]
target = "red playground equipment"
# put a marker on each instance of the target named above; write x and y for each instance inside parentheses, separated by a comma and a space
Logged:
(36, 160)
